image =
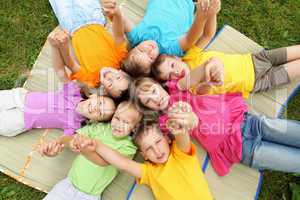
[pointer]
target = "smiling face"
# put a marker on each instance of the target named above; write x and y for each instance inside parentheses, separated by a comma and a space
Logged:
(96, 108)
(115, 81)
(125, 119)
(153, 145)
(144, 55)
(171, 68)
(153, 96)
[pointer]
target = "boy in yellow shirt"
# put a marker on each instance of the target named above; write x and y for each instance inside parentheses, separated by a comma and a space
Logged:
(172, 169)
(221, 72)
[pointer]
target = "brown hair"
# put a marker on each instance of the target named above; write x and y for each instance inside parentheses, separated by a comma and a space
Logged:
(142, 84)
(141, 131)
(132, 68)
(155, 67)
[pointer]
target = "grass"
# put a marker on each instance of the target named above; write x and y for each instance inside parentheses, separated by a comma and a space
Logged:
(26, 24)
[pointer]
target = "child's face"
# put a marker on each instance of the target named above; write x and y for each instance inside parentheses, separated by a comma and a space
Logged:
(172, 68)
(155, 98)
(124, 121)
(96, 108)
(114, 81)
(145, 54)
(154, 146)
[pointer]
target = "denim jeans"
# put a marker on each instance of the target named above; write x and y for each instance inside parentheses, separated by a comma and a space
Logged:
(73, 14)
(271, 143)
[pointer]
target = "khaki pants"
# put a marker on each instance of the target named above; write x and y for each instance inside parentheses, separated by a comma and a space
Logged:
(12, 111)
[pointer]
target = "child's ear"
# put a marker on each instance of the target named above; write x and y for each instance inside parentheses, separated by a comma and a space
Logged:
(168, 138)
(143, 154)
(93, 95)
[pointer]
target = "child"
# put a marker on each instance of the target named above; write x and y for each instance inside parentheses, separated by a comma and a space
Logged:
(167, 27)
(94, 47)
(86, 180)
(66, 109)
(172, 169)
(115, 82)
(227, 131)
(252, 72)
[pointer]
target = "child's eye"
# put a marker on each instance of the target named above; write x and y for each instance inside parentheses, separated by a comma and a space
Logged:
(158, 141)
(153, 91)
(172, 65)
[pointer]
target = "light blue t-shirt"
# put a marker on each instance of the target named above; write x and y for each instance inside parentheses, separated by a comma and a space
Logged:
(165, 22)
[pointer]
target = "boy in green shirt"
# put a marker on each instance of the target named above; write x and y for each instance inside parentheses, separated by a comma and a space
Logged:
(86, 179)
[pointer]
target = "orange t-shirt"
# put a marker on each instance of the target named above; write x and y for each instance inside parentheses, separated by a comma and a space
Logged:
(95, 48)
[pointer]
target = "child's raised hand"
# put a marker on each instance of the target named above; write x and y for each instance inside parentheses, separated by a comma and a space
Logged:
(181, 118)
(214, 71)
(203, 4)
(59, 38)
(214, 7)
(110, 8)
(50, 149)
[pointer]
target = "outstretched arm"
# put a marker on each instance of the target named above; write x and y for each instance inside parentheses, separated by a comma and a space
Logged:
(204, 76)
(61, 54)
(111, 156)
(53, 148)
(209, 32)
(203, 26)
(59, 65)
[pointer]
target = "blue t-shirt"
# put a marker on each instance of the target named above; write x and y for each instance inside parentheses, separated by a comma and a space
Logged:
(165, 22)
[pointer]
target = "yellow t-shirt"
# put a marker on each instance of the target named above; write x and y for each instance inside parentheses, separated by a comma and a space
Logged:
(95, 48)
(239, 70)
(180, 178)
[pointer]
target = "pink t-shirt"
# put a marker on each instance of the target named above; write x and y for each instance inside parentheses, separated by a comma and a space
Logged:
(219, 129)
(54, 109)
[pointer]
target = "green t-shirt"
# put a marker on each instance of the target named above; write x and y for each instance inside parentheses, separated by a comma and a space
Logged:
(89, 177)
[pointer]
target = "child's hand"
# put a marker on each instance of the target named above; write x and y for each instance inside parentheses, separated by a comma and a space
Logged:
(203, 4)
(110, 8)
(51, 149)
(214, 71)
(181, 118)
(214, 8)
(81, 143)
(59, 38)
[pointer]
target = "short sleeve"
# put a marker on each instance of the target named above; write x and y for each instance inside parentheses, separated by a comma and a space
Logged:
(122, 51)
(172, 47)
(133, 36)
(127, 149)
(145, 174)
(181, 154)
(191, 56)
(90, 130)
(71, 88)
(69, 131)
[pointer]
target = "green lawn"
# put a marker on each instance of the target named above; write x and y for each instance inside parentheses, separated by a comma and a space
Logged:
(26, 24)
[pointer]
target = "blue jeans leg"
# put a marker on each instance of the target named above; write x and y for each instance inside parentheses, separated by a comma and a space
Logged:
(271, 144)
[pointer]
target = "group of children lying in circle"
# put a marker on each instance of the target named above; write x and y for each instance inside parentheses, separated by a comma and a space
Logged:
(202, 96)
